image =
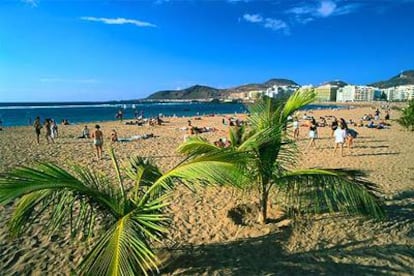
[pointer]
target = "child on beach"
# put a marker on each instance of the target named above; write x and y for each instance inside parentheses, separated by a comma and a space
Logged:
(97, 136)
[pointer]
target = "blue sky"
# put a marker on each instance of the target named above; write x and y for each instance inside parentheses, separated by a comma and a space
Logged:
(57, 50)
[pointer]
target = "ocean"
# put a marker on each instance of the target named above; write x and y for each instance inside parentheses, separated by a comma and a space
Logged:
(23, 114)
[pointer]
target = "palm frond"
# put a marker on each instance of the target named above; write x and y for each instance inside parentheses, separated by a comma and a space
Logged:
(222, 168)
(316, 190)
(296, 101)
(197, 145)
(49, 189)
(118, 174)
(23, 215)
(145, 174)
(125, 249)
(237, 135)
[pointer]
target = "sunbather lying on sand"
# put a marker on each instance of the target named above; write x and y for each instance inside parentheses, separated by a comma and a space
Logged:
(136, 137)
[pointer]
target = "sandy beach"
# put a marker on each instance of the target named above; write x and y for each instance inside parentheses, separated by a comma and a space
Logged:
(203, 239)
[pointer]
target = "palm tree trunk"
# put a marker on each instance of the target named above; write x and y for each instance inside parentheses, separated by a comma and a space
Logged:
(263, 204)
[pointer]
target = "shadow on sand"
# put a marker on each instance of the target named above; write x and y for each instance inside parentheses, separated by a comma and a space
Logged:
(267, 255)
(377, 153)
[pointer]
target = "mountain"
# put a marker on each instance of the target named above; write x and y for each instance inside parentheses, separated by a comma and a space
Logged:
(338, 83)
(280, 82)
(206, 92)
(406, 77)
(193, 92)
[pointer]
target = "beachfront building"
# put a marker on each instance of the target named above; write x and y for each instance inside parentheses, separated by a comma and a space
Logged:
(345, 94)
(400, 93)
(306, 88)
(254, 94)
(355, 93)
(364, 93)
(238, 96)
(326, 93)
(410, 92)
(280, 90)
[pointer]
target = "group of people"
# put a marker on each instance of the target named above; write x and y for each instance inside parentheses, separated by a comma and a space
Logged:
(51, 129)
(340, 131)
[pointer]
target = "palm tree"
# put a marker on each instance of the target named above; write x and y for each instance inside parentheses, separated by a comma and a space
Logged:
(407, 116)
(270, 157)
(131, 217)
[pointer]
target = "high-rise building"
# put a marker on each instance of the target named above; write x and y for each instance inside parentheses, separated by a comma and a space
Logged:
(326, 93)
(355, 93)
(400, 93)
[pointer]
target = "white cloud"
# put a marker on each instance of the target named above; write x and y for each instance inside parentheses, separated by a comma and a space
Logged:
(270, 23)
(275, 24)
(32, 3)
(118, 21)
(347, 9)
(253, 18)
(326, 8)
(300, 10)
(322, 9)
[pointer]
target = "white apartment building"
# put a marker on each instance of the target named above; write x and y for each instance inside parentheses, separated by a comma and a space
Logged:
(275, 90)
(355, 93)
(345, 94)
(400, 93)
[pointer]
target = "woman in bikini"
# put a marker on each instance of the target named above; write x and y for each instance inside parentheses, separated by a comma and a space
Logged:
(97, 136)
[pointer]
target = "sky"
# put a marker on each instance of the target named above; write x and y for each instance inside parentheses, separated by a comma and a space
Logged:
(97, 50)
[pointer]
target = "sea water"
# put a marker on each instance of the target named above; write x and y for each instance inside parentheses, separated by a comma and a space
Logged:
(23, 114)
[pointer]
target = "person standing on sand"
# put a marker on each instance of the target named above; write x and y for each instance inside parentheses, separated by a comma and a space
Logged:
(295, 125)
(48, 127)
(340, 136)
(334, 126)
(313, 134)
(97, 136)
(37, 126)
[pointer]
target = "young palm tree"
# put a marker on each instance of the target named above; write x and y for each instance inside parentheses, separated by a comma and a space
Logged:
(269, 159)
(407, 116)
(130, 218)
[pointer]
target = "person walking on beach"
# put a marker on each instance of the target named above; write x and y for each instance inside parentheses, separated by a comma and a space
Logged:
(340, 136)
(377, 114)
(48, 127)
(295, 125)
(54, 129)
(334, 126)
(97, 136)
(313, 134)
(37, 126)
(120, 115)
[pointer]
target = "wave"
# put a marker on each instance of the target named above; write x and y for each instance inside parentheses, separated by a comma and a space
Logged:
(57, 106)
